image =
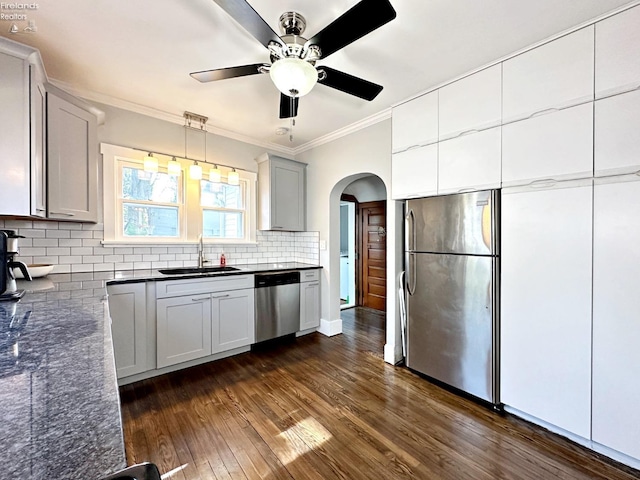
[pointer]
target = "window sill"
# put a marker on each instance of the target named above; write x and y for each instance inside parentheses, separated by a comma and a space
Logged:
(147, 242)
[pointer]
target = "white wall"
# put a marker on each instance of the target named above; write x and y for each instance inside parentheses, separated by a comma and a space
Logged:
(368, 189)
(331, 167)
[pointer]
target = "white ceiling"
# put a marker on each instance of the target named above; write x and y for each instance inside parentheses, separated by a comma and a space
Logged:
(139, 53)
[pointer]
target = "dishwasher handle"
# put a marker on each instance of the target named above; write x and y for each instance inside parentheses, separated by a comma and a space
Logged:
(263, 280)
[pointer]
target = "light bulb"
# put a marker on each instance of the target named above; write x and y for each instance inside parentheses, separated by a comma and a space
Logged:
(293, 77)
(195, 171)
(150, 163)
(173, 167)
(215, 174)
(233, 178)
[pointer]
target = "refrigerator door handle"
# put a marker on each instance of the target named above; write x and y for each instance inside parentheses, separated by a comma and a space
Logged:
(411, 273)
(410, 220)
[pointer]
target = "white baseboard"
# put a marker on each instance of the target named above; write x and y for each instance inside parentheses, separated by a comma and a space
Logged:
(585, 442)
(330, 327)
(392, 353)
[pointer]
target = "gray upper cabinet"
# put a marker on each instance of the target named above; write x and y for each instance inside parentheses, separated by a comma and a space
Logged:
(72, 159)
(281, 193)
(14, 130)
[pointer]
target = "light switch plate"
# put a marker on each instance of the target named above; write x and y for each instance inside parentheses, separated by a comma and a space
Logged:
(323, 244)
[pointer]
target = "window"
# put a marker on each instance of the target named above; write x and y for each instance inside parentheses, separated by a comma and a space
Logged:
(146, 207)
(149, 204)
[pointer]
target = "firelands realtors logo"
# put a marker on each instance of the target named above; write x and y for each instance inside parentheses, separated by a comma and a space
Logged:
(17, 15)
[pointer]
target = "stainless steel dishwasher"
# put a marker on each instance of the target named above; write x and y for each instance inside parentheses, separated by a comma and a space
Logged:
(277, 304)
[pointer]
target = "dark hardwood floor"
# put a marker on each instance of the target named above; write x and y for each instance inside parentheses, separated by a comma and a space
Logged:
(325, 408)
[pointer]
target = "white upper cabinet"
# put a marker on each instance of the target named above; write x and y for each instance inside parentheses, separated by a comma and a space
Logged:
(618, 54)
(471, 104)
(415, 123)
(558, 146)
(556, 75)
(470, 162)
(414, 173)
(617, 134)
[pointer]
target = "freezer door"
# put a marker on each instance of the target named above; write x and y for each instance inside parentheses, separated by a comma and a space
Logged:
(451, 328)
(463, 223)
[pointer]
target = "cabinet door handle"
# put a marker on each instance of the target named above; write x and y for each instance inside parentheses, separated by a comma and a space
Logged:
(62, 213)
(548, 182)
(220, 296)
(41, 210)
(276, 226)
(315, 284)
(544, 112)
(199, 299)
(466, 132)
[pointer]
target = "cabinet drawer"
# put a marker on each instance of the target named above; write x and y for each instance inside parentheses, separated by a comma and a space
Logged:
(190, 286)
(309, 275)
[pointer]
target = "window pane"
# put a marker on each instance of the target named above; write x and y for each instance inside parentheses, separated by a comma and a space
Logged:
(222, 224)
(220, 195)
(149, 221)
(154, 187)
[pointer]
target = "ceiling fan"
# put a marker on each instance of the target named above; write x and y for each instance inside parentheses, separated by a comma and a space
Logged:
(293, 58)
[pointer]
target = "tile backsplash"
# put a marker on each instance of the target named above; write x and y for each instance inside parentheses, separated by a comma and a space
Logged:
(77, 247)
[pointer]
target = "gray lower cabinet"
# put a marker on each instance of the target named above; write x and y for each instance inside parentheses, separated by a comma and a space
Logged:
(184, 329)
(232, 322)
(309, 299)
(128, 311)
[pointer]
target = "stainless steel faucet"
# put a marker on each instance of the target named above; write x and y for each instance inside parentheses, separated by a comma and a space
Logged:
(201, 259)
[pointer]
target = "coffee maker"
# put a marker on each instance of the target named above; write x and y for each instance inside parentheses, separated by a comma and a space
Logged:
(8, 250)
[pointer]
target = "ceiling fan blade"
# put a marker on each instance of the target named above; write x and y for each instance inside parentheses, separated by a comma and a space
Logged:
(350, 84)
(288, 106)
(229, 72)
(248, 18)
(361, 19)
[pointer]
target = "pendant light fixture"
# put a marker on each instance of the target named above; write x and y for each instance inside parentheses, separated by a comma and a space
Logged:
(215, 174)
(173, 167)
(195, 171)
(233, 178)
(150, 163)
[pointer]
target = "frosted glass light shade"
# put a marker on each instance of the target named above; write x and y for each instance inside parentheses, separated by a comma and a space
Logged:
(195, 172)
(233, 178)
(293, 77)
(150, 163)
(215, 174)
(173, 167)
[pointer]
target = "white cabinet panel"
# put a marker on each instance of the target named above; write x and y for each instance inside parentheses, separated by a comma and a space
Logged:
(128, 312)
(309, 305)
(472, 103)
(546, 304)
(414, 173)
(183, 329)
(616, 324)
(555, 75)
(557, 146)
(470, 162)
(233, 320)
(617, 53)
(415, 122)
(617, 134)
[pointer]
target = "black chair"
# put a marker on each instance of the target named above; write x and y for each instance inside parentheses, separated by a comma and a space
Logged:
(141, 471)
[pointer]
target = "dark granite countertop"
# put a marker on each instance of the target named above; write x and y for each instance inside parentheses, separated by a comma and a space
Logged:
(59, 402)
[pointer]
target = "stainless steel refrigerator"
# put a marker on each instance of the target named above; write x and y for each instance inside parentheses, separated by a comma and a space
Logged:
(452, 285)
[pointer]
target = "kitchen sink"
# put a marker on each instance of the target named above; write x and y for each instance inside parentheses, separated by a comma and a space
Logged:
(189, 270)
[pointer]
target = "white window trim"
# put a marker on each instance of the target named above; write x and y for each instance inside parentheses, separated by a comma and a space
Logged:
(191, 217)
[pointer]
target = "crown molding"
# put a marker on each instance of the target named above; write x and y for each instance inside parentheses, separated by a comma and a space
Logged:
(348, 130)
(162, 115)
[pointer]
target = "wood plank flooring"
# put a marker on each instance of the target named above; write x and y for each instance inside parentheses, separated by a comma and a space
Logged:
(325, 408)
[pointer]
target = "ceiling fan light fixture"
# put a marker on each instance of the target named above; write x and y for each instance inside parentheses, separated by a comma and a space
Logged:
(293, 77)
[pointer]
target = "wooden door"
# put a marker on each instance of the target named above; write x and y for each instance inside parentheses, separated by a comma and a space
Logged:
(373, 252)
